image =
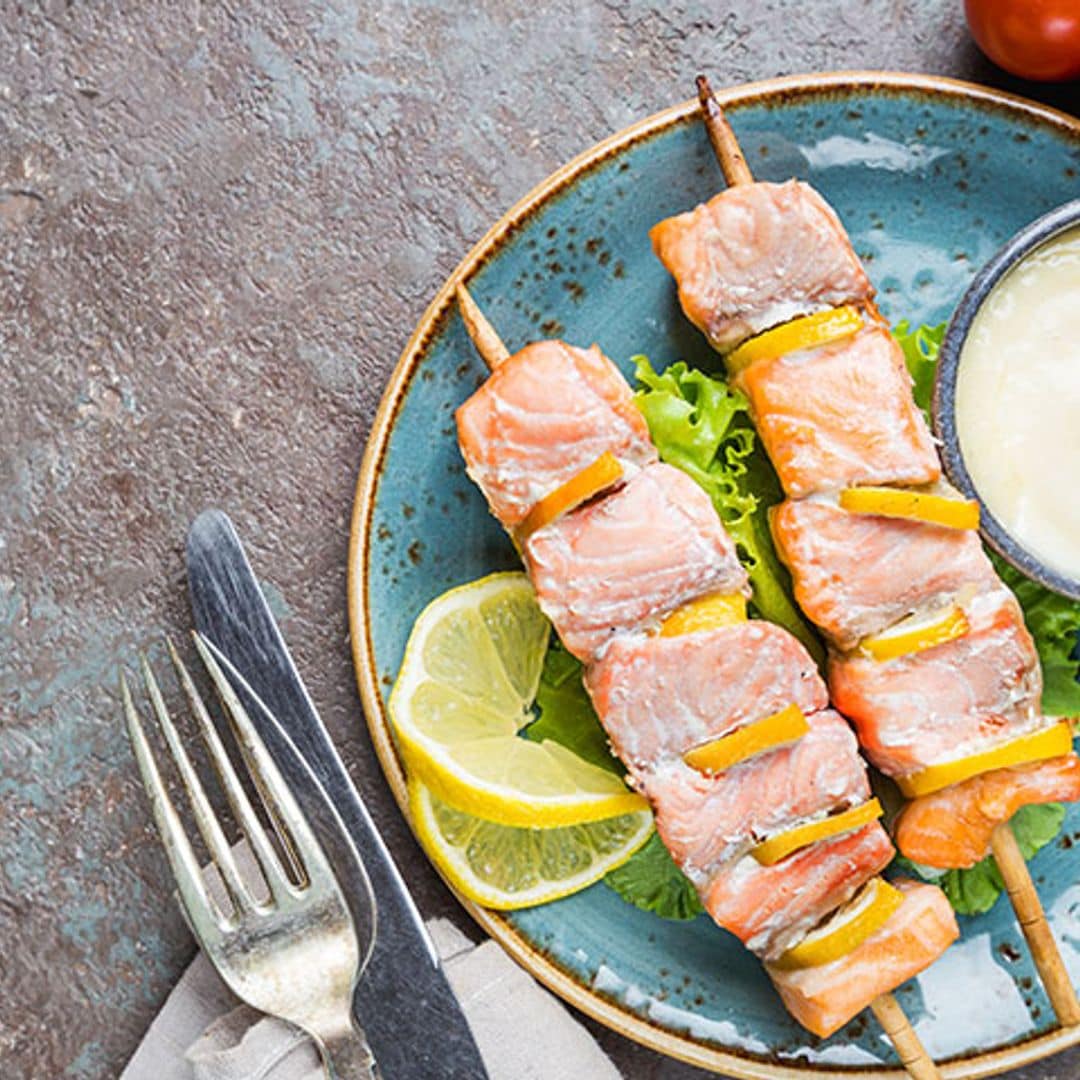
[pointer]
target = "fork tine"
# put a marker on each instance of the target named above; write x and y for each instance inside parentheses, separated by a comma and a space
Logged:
(207, 920)
(278, 798)
(278, 882)
(205, 818)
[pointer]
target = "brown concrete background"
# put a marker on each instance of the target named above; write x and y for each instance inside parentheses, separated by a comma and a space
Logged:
(218, 223)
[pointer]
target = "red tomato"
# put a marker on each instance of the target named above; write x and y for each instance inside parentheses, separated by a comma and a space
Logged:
(1035, 39)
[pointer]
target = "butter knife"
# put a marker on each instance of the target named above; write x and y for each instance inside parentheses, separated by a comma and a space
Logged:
(410, 1016)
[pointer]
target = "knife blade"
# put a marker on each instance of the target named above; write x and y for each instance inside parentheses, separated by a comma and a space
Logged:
(410, 1016)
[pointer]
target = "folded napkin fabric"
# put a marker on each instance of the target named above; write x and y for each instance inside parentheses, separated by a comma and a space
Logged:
(523, 1031)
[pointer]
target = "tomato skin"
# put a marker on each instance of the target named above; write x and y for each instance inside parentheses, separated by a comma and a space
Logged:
(1035, 39)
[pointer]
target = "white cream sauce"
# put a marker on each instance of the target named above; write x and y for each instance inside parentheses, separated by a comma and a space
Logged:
(1018, 402)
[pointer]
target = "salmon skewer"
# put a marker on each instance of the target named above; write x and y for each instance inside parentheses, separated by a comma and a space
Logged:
(669, 691)
(840, 415)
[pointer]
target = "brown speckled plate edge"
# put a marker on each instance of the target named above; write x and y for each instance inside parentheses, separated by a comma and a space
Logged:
(685, 1048)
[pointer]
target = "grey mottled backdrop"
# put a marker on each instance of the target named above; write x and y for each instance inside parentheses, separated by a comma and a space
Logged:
(218, 223)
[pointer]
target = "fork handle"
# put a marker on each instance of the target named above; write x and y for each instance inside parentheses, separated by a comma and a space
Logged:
(346, 1055)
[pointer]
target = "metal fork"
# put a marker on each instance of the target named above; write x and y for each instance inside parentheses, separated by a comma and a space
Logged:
(293, 951)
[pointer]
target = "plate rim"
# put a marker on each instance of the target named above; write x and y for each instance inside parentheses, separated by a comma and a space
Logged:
(680, 1046)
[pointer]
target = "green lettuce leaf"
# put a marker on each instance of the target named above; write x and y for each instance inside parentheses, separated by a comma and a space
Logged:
(975, 890)
(1054, 622)
(565, 714)
(702, 426)
(650, 880)
(921, 347)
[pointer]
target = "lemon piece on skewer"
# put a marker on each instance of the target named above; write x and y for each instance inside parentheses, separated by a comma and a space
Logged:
(785, 726)
(1051, 742)
(806, 332)
(783, 844)
(953, 513)
(593, 479)
(916, 633)
(705, 613)
(465, 691)
(503, 867)
(867, 912)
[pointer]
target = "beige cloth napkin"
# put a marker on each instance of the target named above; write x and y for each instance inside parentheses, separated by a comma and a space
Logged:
(523, 1031)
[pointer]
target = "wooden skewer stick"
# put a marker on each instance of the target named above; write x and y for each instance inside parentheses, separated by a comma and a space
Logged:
(909, 1049)
(896, 1025)
(1032, 919)
(1010, 861)
(488, 343)
(885, 1007)
(724, 144)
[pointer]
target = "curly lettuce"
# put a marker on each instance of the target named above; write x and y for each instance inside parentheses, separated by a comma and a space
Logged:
(702, 426)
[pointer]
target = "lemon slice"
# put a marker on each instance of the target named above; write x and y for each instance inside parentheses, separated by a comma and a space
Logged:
(777, 847)
(926, 506)
(705, 613)
(803, 333)
(465, 690)
(917, 632)
(772, 731)
(848, 927)
(593, 479)
(1051, 742)
(503, 867)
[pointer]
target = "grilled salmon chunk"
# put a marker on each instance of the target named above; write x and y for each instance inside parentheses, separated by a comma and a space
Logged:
(659, 696)
(823, 999)
(769, 907)
(629, 559)
(543, 416)
(951, 828)
(948, 701)
(705, 820)
(841, 415)
(857, 574)
(758, 255)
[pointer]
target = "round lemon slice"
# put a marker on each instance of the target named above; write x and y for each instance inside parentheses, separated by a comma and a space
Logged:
(466, 687)
(917, 632)
(806, 332)
(935, 509)
(847, 928)
(503, 867)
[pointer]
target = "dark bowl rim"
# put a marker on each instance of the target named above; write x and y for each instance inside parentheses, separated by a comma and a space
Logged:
(943, 407)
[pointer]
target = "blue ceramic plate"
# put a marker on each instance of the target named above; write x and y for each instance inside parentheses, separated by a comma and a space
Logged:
(931, 177)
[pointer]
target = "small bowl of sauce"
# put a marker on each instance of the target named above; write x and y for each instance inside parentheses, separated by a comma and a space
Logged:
(1007, 399)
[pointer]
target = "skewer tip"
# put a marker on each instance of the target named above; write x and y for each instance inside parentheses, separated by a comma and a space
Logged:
(724, 143)
(488, 343)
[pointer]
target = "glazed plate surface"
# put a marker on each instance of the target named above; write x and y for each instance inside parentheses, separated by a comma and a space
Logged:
(930, 177)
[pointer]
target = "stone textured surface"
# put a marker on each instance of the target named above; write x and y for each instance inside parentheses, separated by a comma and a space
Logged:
(218, 225)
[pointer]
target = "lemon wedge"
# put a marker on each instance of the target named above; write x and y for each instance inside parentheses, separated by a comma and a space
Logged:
(593, 479)
(1051, 742)
(847, 928)
(705, 613)
(778, 847)
(913, 505)
(503, 867)
(466, 686)
(781, 727)
(917, 632)
(806, 332)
